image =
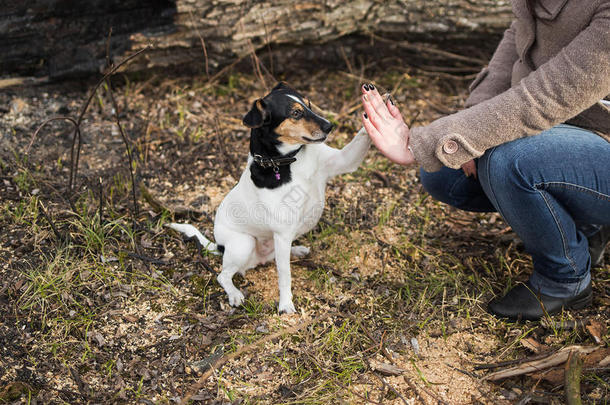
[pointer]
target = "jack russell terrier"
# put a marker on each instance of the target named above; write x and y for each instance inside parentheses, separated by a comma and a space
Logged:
(280, 194)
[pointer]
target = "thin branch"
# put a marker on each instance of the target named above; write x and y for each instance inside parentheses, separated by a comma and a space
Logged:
(122, 132)
(389, 386)
(426, 49)
(205, 51)
(46, 216)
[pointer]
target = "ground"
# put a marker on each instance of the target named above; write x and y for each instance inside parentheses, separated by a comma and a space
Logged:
(119, 309)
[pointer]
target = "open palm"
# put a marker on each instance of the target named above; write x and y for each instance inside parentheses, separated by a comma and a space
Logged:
(385, 126)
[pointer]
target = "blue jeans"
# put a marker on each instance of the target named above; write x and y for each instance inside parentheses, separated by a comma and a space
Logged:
(553, 189)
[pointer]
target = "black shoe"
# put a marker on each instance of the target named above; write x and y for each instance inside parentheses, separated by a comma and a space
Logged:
(597, 245)
(523, 302)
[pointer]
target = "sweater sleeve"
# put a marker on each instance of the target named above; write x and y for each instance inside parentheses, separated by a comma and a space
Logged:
(569, 83)
(496, 77)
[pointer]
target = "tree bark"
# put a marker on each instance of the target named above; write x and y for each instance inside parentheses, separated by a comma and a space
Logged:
(66, 38)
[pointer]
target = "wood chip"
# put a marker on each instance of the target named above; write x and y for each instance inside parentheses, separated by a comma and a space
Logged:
(386, 368)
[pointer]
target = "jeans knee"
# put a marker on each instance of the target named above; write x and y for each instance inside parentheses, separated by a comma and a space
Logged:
(499, 170)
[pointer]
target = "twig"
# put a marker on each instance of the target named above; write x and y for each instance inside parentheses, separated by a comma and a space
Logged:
(44, 214)
(389, 386)
(101, 209)
(74, 164)
(158, 207)
(205, 51)
(509, 362)
(44, 123)
(573, 372)
(550, 360)
(414, 388)
(148, 259)
(123, 135)
(447, 75)
(77, 133)
(414, 118)
(433, 51)
(268, 43)
(82, 386)
(244, 349)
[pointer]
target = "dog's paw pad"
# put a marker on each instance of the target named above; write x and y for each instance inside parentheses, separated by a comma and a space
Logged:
(236, 299)
(299, 251)
(286, 308)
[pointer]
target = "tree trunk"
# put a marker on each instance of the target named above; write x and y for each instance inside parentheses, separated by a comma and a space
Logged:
(67, 38)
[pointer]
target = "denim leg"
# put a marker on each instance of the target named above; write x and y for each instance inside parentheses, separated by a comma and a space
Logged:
(548, 188)
(453, 187)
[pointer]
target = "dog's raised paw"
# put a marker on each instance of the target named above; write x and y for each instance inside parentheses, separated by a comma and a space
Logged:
(236, 298)
(299, 251)
(286, 308)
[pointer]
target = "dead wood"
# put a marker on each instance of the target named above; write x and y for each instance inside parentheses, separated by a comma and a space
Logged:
(573, 372)
(551, 360)
(64, 41)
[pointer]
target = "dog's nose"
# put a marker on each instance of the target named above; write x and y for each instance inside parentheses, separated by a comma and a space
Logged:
(327, 127)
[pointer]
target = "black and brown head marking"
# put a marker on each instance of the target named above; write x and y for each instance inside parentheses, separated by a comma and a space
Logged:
(284, 112)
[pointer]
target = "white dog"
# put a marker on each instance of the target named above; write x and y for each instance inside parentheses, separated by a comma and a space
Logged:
(280, 194)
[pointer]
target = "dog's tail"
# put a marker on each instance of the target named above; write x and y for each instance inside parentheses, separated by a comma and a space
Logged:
(191, 232)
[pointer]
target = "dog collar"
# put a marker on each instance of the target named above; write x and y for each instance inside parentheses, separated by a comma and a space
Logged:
(275, 163)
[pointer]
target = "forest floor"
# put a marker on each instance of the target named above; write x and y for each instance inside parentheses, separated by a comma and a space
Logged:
(390, 302)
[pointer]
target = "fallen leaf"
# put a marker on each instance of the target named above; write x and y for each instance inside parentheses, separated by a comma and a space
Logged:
(596, 330)
(533, 345)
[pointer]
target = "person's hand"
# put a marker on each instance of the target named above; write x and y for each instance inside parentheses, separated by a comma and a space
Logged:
(385, 126)
(470, 168)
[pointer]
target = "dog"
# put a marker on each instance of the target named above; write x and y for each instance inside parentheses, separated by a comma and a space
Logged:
(281, 193)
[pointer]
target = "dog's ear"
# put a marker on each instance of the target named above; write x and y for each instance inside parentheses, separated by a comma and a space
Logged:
(280, 86)
(258, 115)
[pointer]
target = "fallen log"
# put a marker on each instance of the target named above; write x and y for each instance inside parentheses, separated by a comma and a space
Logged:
(67, 38)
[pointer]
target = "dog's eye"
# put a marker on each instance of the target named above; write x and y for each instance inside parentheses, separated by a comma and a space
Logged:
(296, 114)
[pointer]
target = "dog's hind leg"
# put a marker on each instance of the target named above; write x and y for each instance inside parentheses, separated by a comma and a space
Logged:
(299, 251)
(282, 261)
(238, 257)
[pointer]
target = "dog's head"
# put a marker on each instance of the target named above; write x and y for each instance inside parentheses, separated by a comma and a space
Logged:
(288, 117)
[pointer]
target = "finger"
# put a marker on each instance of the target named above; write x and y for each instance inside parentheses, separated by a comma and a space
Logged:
(378, 102)
(372, 113)
(374, 134)
(394, 111)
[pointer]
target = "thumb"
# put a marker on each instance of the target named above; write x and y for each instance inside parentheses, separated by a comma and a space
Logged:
(394, 111)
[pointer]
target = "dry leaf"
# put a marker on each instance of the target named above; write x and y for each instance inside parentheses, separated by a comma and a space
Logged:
(596, 330)
(533, 345)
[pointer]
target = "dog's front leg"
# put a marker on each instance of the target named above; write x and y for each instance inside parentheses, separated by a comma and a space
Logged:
(348, 159)
(282, 261)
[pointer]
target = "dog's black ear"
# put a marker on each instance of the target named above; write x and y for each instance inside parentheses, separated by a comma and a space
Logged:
(257, 116)
(280, 85)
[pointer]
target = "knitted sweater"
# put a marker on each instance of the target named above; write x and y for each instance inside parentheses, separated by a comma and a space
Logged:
(552, 66)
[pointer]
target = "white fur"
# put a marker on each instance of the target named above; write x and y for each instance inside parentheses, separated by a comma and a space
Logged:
(189, 231)
(256, 225)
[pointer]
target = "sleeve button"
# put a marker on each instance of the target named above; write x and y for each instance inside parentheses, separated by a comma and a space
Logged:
(450, 147)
